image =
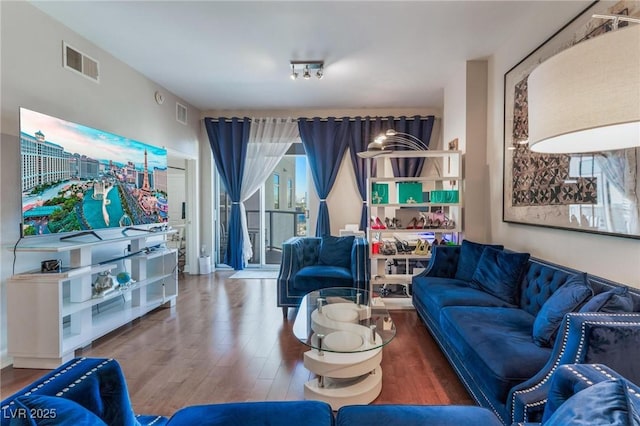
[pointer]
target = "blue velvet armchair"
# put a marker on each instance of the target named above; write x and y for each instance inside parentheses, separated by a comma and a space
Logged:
(312, 263)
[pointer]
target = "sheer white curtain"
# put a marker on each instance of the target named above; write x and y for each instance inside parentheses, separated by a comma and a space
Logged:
(269, 140)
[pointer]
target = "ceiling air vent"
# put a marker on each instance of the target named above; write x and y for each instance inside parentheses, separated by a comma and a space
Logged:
(74, 60)
(181, 113)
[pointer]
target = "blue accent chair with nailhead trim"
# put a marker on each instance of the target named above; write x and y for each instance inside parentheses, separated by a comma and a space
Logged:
(497, 321)
(313, 263)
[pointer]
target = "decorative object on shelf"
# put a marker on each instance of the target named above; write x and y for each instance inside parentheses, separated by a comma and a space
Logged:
(580, 192)
(409, 192)
(422, 247)
(387, 248)
(123, 277)
(379, 193)
(444, 196)
(586, 98)
(376, 223)
(103, 285)
(51, 266)
(306, 67)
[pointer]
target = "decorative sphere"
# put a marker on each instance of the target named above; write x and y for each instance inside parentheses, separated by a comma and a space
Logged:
(123, 277)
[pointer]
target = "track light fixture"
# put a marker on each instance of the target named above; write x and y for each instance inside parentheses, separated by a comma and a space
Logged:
(306, 68)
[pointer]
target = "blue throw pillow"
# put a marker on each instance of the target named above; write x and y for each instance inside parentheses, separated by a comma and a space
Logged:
(499, 273)
(470, 253)
(613, 301)
(568, 298)
(41, 410)
(336, 251)
(605, 403)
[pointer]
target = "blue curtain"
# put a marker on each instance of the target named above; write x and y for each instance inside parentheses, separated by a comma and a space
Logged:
(229, 140)
(325, 142)
(420, 128)
(362, 132)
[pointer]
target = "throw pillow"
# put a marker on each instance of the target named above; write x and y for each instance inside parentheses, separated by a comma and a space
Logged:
(470, 253)
(499, 273)
(41, 410)
(336, 251)
(605, 403)
(568, 298)
(613, 301)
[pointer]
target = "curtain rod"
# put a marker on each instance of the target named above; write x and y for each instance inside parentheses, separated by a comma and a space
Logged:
(217, 119)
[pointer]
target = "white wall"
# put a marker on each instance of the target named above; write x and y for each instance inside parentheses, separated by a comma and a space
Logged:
(33, 77)
(614, 258)
(465, 118)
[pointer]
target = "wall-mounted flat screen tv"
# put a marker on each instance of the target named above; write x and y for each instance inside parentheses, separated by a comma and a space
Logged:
(75, 178)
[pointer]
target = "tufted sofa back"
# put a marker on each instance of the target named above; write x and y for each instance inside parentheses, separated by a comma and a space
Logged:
(543, 278)
(310, 251)
(539, 282)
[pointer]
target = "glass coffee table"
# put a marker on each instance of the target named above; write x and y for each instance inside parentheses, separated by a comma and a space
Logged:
(346, 330)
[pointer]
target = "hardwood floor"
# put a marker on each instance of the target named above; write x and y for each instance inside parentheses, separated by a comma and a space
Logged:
(225, 340)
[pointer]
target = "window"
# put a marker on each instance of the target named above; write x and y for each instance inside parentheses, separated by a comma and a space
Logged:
(289, 193)
(276, 191)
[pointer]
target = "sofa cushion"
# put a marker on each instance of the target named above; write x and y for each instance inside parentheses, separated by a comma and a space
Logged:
(613, 301)
(336, 251)
(272, 413)
(499, 273)
(312, 278)
(470, 253)
(605, 403)
(52, 410)
(414, 415)
(567, 298)
(437, 293)
(495, 344)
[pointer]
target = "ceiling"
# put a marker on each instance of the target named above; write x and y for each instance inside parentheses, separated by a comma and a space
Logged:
(235, 54)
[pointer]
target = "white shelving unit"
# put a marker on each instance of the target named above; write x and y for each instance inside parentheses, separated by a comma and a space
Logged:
(50, 315)
(443, 172)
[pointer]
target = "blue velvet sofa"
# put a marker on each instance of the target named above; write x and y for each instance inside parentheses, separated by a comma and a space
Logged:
(91, 391)
(506, 322)
(312, 263)
(580, 394)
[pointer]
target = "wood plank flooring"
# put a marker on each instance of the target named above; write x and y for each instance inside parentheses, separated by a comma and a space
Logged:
(225, 340)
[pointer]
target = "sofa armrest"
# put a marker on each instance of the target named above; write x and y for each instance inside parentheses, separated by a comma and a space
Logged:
(443, 262)
(360, 264)
(97, 384)
(572, 378)
(611, 339)
(291, 258)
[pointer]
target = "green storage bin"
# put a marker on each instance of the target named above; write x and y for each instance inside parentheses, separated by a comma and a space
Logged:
(379, 193)
(409, 192)
(444, 196)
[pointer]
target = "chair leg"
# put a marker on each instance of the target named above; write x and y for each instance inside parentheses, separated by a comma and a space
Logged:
(285, 312)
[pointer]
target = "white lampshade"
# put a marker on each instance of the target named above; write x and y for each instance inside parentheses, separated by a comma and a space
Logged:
(587, 97)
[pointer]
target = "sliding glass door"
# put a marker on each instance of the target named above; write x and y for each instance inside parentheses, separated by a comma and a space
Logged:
(275, 213)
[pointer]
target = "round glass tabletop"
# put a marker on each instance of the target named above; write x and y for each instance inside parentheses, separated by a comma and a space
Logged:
(343, 320)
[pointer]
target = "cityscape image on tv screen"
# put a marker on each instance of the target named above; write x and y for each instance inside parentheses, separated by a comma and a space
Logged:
(75, 178)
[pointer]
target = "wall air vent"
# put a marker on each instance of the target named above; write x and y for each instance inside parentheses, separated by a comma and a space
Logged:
(76, 61)
(181, 113)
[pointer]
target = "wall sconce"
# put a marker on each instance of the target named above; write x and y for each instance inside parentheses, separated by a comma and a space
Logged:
(587, 97)
(306, 68)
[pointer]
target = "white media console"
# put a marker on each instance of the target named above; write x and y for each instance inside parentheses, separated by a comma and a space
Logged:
(50, 315)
